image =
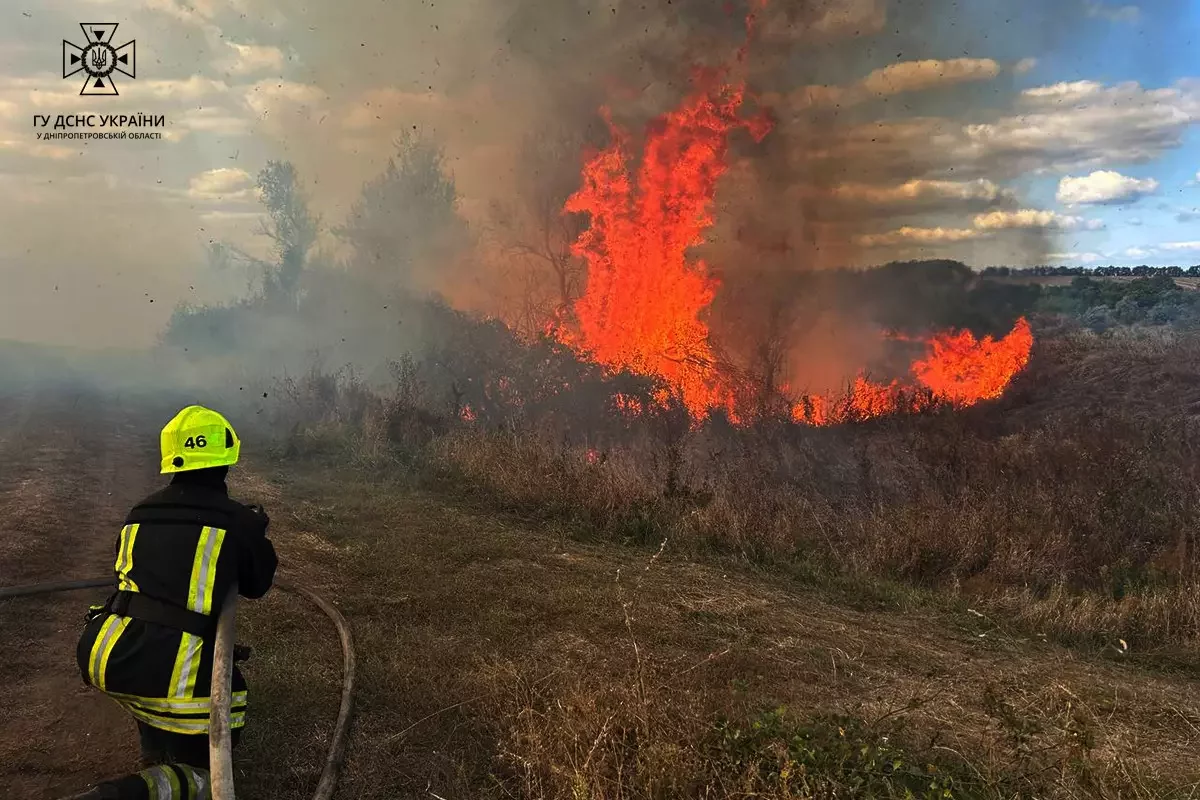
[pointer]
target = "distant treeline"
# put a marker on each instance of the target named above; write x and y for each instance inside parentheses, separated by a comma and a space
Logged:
(940, 293)
(1099, 305)
(1142, 271)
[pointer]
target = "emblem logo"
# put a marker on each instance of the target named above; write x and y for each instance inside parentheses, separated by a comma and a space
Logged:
(98, 60)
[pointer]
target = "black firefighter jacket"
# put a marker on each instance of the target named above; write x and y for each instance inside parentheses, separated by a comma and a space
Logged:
(185, 545)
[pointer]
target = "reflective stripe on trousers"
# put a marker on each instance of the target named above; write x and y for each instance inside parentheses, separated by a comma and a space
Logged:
(179, 715)
(176, 782)
(125, 558)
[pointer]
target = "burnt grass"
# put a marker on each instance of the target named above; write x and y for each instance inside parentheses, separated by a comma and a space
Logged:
(995, 602)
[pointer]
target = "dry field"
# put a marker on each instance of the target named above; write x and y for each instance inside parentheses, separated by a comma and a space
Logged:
(500, 660)
(1189, 283)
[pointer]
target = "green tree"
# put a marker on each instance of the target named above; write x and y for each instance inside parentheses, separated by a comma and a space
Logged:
(406, 216)
(291, 225)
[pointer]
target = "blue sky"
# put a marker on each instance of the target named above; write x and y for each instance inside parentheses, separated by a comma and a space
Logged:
(1075, 121)
(1154, 46)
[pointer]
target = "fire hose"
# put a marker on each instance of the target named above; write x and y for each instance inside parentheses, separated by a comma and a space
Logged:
(220, 746)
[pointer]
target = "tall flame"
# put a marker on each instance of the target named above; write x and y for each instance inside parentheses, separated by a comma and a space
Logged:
(644, 304)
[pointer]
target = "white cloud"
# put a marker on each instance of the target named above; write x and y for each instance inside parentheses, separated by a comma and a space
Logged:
(894, 79)
(282, 97)
(1025, 65)
(31, 147)
(192, 89)
(52, 99)
(1137, 252)
(914, 76)
(1033, 218)
(984, 226)
(1176, 246)
(1127, 13)
(911, 235)
(919, 190)
(194, 12)
(1065, 91)
(1103, 187)
(252, 58)
(1083, 258)
(1085, 123)
(212, 119)
(223, 183)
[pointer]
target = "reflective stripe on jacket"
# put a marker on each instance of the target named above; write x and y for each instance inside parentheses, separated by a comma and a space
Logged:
(186, 545)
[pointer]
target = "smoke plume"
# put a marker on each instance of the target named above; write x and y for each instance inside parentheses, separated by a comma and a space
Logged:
(896, 134)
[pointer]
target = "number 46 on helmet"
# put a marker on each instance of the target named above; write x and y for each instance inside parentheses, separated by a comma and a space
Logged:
(198, 438)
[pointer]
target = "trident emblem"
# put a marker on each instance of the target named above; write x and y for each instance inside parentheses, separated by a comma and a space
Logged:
(99, 59)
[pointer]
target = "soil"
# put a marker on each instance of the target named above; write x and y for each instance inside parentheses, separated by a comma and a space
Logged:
(71, 465)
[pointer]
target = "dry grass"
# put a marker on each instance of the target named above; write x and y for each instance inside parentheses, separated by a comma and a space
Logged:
(66, 480)
(1068, 505)
(498, 661)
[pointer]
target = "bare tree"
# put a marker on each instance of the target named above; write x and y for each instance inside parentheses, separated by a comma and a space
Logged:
(534, 227)
(764, 311)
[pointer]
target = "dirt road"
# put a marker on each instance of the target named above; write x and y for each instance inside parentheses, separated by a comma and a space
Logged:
(71, 464)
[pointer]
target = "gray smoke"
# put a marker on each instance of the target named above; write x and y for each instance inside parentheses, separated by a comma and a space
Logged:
(872, 102)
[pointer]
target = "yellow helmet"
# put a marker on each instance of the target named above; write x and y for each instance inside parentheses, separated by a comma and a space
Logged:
(197, 438)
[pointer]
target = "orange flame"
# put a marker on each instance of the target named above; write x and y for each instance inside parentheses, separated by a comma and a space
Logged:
(959, 370)
(644, 303)
(962, 371)
(642, 309)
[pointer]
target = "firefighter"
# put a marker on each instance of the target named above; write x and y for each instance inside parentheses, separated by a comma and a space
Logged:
(150, 646)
